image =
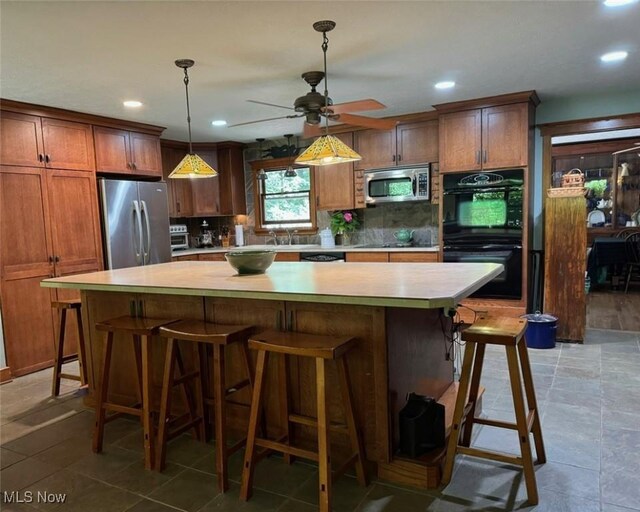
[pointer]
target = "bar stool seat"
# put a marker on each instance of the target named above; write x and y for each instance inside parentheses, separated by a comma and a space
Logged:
(63, 306)
(322, 349)
(141, 330)
(508, 332)
(202, 335)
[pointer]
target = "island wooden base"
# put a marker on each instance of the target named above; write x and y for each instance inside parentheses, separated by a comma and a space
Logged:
(399, 350)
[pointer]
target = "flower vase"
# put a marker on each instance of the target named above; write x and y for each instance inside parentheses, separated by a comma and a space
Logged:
(339, 239)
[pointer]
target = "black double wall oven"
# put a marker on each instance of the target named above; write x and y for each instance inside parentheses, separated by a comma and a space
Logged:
(483, 222)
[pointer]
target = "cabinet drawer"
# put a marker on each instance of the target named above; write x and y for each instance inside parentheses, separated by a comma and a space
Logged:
(413, 257)
(288, 256)
(216, 256)
(188, 257)
(356, 257)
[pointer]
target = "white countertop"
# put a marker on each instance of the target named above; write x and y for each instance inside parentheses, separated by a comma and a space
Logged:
(306, 248)
(413, 285)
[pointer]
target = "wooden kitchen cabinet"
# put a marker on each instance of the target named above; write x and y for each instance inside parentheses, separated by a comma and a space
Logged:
(359, 257)
(213, 256)
(483, 139)
(334, 184)
(180, 196)
(126, 152)
(408, 143)
(413, 257)
(359, 200)
(49, 227)
(35, 141)
(287, 256)
(205, 192)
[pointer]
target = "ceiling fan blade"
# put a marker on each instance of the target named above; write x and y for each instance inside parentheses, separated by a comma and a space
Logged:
(269, 104)
(367, 122)
(356, 106)
(263, 120)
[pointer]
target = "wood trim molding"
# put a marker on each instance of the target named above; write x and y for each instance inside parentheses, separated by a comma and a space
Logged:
(5, 375)
(490, 101)
(593, 124)
(70, 115)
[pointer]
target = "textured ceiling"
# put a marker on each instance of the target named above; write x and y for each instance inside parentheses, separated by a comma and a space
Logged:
(90, 56)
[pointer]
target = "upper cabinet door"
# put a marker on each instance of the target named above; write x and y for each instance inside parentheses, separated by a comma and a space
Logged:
(145, 154)
(21, 140)
(334, 183)
(180, 201)
(112, 150)
(505, 136)
(461, 141)
(376, 147)
(417, 143)
(73, 210)
(68, 145)
(206, 191)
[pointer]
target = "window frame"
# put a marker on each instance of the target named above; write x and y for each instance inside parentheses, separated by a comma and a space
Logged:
(277, 164)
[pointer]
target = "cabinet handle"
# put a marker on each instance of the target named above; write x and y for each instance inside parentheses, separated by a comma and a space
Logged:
(56, 259)
(485, 156)
(47, 158)
(128, 165)
(40, 157)
(178, 206)
(393, 158)
(133, 165)
(399, 158)
(317, 200)
(50, 259)
(478, 156)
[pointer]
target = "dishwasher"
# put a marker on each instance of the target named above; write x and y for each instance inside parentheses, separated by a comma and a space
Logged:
(323, 257)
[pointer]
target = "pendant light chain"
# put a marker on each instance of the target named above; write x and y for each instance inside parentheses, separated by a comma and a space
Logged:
(325, 47)
(186, 90)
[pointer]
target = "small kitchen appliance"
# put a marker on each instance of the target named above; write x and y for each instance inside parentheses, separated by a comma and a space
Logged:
(396, 185)
(179, 236)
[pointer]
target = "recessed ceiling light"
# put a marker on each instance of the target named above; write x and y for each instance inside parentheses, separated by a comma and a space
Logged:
(132, 103)
(617, 3)
(614, 56)
(445, 85)
(219, 122)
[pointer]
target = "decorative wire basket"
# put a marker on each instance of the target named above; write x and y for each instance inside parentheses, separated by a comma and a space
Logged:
(574, 178)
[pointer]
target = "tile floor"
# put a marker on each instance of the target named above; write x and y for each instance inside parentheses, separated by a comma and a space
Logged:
(589, 397)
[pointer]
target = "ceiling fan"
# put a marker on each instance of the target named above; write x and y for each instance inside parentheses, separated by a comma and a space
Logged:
(314, 105)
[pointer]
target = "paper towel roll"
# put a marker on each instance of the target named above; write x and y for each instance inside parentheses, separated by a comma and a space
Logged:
(239, 235)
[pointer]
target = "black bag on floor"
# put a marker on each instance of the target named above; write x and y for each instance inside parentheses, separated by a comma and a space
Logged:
(421, 425)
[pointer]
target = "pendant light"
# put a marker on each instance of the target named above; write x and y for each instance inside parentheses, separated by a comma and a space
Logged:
(262, 175)
(290, 172)
(191, 166)
(327, 149)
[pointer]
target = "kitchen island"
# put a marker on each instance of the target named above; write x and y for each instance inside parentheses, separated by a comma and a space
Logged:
(398, 314)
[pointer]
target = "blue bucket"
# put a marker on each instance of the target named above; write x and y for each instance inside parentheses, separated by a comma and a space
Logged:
(541, 330)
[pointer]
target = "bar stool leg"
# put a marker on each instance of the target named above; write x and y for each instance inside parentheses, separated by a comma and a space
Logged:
(461, 400)
(101, 395)
(256, 407)
(532, 404)
(244, 349)
(356, 439)
(149, 451)
(283, 379)
(188, 395)
(205, 380)
(324, 449)
(137, 352)
(219, 388)
(521, 422)
(165, 404)
(82, 355)
(473, 395)
(199, 393)
(59, 355)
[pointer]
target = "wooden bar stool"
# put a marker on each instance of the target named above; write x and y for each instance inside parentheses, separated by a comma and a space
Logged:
(202, 334)
(63, 306)
(321, 348)
(141, 330)
(510, 333)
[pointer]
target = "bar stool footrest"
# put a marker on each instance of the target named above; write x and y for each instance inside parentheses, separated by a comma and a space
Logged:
(69, 358)
(183, 428)
(70, 376)
(285, 448)
(312, 422)
(490, 454)
(124, 409)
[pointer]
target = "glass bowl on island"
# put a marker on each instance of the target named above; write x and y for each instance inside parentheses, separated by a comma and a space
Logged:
(251, 261)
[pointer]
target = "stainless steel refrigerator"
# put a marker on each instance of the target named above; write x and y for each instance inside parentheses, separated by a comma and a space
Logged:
(135, 223)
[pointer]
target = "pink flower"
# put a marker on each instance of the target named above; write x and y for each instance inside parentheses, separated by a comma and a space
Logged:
(348, 217)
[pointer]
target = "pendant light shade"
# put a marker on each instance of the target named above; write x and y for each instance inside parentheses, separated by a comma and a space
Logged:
(327, 150)
(191, 166)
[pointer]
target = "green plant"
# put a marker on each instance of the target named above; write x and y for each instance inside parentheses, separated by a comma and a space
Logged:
(598, 187)
(344, 221)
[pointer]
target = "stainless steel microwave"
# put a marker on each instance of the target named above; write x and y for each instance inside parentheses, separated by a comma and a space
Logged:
(396, 185)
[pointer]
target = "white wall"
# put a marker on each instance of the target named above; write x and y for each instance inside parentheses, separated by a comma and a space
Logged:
(576, 107)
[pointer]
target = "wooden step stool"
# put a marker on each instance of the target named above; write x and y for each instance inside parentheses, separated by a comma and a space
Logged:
(141, 330)
(63, 306)
(321, 348)
(202, 334)
(510, 333)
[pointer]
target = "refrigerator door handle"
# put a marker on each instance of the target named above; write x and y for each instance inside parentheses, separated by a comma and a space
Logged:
(136, 210)
(146, 252)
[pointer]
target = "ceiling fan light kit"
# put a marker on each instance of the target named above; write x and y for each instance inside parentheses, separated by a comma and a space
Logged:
(191, 166)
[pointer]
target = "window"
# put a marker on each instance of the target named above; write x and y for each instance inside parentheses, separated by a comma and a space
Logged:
(286, 202)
